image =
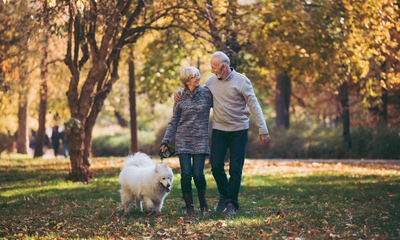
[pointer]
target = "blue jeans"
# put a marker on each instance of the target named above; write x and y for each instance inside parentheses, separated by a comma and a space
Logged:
(187, 171)
(236, 142)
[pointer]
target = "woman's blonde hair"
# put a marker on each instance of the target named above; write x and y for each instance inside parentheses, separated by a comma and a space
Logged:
(188, 73)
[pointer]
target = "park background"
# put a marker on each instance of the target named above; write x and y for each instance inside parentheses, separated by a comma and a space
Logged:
(325, 72)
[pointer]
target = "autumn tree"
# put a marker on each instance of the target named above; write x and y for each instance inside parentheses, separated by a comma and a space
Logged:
(41, 133)
(378, 43)
(365, 58)
(17, 29)
(97, 33)
(294, 41)
(284, 39)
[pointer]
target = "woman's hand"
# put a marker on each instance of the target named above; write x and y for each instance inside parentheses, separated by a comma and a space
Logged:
(163, 148)
(247, 112)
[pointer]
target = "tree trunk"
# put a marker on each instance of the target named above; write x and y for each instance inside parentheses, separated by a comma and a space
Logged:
(383, 111)
(132, 108)
(344, 100)
(85, 105)
(23, 138)
(282, 102)
(41, 133)
(80, 171)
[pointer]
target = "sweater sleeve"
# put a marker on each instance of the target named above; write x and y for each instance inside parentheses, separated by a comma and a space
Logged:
(210, 96)
(172, 125)
(255, 108)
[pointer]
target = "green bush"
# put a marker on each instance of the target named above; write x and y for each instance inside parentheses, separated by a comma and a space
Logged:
(376, 143)
(119, 144)
(316, 141)
(299, 141)
(111, 145)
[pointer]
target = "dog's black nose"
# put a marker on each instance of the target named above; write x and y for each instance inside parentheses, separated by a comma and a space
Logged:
(169, 185)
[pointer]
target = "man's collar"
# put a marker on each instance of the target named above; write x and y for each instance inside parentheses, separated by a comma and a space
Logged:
(230, 76)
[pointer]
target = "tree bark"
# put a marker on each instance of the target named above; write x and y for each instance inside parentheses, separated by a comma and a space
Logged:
(80, 171)
(282, 102)
(41, 133)
(104, 55)
(23, 136)
(132, 108)
(344, 100)
(383, 110)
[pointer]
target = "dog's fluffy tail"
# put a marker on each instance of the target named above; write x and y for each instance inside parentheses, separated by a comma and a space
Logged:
(139, 159)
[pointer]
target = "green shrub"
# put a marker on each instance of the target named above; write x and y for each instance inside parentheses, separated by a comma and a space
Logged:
(316, 141)
(119, 144)
(376, 143)
(299, 141)
(111, 145)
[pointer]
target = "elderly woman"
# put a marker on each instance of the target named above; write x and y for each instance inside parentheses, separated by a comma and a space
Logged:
(189, 123)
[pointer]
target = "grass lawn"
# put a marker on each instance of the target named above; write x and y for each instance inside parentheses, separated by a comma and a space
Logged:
(279, 200)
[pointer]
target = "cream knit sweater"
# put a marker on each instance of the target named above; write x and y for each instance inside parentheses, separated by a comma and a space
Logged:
(230, 97)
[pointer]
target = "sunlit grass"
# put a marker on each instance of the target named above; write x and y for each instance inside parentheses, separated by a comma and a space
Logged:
(278, 200)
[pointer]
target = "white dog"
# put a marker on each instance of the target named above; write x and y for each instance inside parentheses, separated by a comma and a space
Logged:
(145, 181)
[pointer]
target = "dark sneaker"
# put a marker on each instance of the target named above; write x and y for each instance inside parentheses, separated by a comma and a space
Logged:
(231, 209)
(221, 204)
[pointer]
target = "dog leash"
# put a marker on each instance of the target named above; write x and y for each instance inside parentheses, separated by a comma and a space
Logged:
(168, 153)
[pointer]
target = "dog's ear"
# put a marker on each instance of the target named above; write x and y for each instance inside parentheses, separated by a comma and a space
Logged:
(167, 166)
(156, 170)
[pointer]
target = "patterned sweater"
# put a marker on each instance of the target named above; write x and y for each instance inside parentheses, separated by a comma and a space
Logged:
(189, 122)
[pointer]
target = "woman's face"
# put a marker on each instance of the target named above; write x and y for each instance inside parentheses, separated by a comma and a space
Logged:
(194, 82)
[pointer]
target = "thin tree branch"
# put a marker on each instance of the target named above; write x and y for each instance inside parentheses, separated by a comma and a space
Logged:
(100, 91)
(91, 36)
(54, 61)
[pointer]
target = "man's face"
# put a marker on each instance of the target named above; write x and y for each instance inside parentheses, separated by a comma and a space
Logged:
(215, 68)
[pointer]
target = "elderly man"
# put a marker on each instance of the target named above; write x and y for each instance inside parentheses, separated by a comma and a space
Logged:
(231, 92)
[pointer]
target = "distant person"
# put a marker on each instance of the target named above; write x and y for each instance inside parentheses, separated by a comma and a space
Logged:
(232, 93)
(65, 141)
(55, 139)
(32, 142)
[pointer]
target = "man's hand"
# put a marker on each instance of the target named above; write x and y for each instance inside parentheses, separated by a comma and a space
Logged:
(178, 95)
(264, 140)
(247, 112)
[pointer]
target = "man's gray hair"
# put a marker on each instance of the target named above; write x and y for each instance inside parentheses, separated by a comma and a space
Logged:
(188, 73)
(223, 59)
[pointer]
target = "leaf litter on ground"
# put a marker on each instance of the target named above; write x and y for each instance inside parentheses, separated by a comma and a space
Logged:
(279, 199)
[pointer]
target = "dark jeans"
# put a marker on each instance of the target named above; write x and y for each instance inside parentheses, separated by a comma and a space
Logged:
(55, 147)
(236, 142)
(188, 170)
